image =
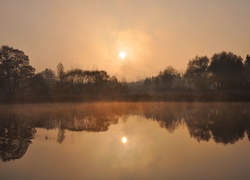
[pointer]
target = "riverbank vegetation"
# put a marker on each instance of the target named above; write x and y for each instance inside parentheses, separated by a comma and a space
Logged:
(223, 77)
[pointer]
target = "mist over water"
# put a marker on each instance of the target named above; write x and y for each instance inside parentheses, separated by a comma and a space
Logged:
(131, 140)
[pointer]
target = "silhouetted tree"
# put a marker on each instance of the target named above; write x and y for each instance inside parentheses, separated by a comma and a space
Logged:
(247, 61)
(44, 83)
(227, 70)
(48, 75)
(169, 79)
(246, 72)
(148, 84)
(15, 70)
(78, 81)
(115, 87)
(75, 80)
(197, 73)
(60, 71)
(2, 85)
(60, 75)
(99, 82)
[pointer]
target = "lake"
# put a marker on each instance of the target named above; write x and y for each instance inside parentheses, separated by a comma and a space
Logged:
(125, 141)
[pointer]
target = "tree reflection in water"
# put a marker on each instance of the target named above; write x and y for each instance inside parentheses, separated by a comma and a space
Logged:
(225, 123)
(15, 136)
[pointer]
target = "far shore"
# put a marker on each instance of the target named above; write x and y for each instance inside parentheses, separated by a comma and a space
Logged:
(208, 96)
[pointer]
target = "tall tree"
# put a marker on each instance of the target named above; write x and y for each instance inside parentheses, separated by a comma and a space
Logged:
(246, 72)
(60, 71)
(197, 73)
(227, 70)
(61, 76)
(15, 70)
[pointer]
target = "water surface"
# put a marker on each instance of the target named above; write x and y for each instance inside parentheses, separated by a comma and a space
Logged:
(163, 140)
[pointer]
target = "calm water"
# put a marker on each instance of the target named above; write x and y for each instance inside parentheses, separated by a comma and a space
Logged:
(125, 141)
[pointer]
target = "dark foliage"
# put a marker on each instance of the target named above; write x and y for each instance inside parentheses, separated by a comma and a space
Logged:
(15, 71)
(226, 73)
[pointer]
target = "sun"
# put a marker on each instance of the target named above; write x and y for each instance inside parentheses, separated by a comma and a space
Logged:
(122, 55)
(124, 140)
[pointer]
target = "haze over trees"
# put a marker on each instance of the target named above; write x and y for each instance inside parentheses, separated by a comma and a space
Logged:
(197, 72)
(167, 80)
(224, 71)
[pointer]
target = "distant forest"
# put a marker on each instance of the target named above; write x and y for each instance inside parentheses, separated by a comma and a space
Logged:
(224, 76)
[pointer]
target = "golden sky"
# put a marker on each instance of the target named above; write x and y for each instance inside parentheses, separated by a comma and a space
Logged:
(89, 34)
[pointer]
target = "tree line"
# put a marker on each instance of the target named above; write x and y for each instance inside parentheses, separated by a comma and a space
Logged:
(224, 71)
(18, 77)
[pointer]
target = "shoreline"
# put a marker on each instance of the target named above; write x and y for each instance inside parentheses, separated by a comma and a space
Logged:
(208, 96)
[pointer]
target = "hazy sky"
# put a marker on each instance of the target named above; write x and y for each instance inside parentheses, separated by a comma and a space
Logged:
(89, 34)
